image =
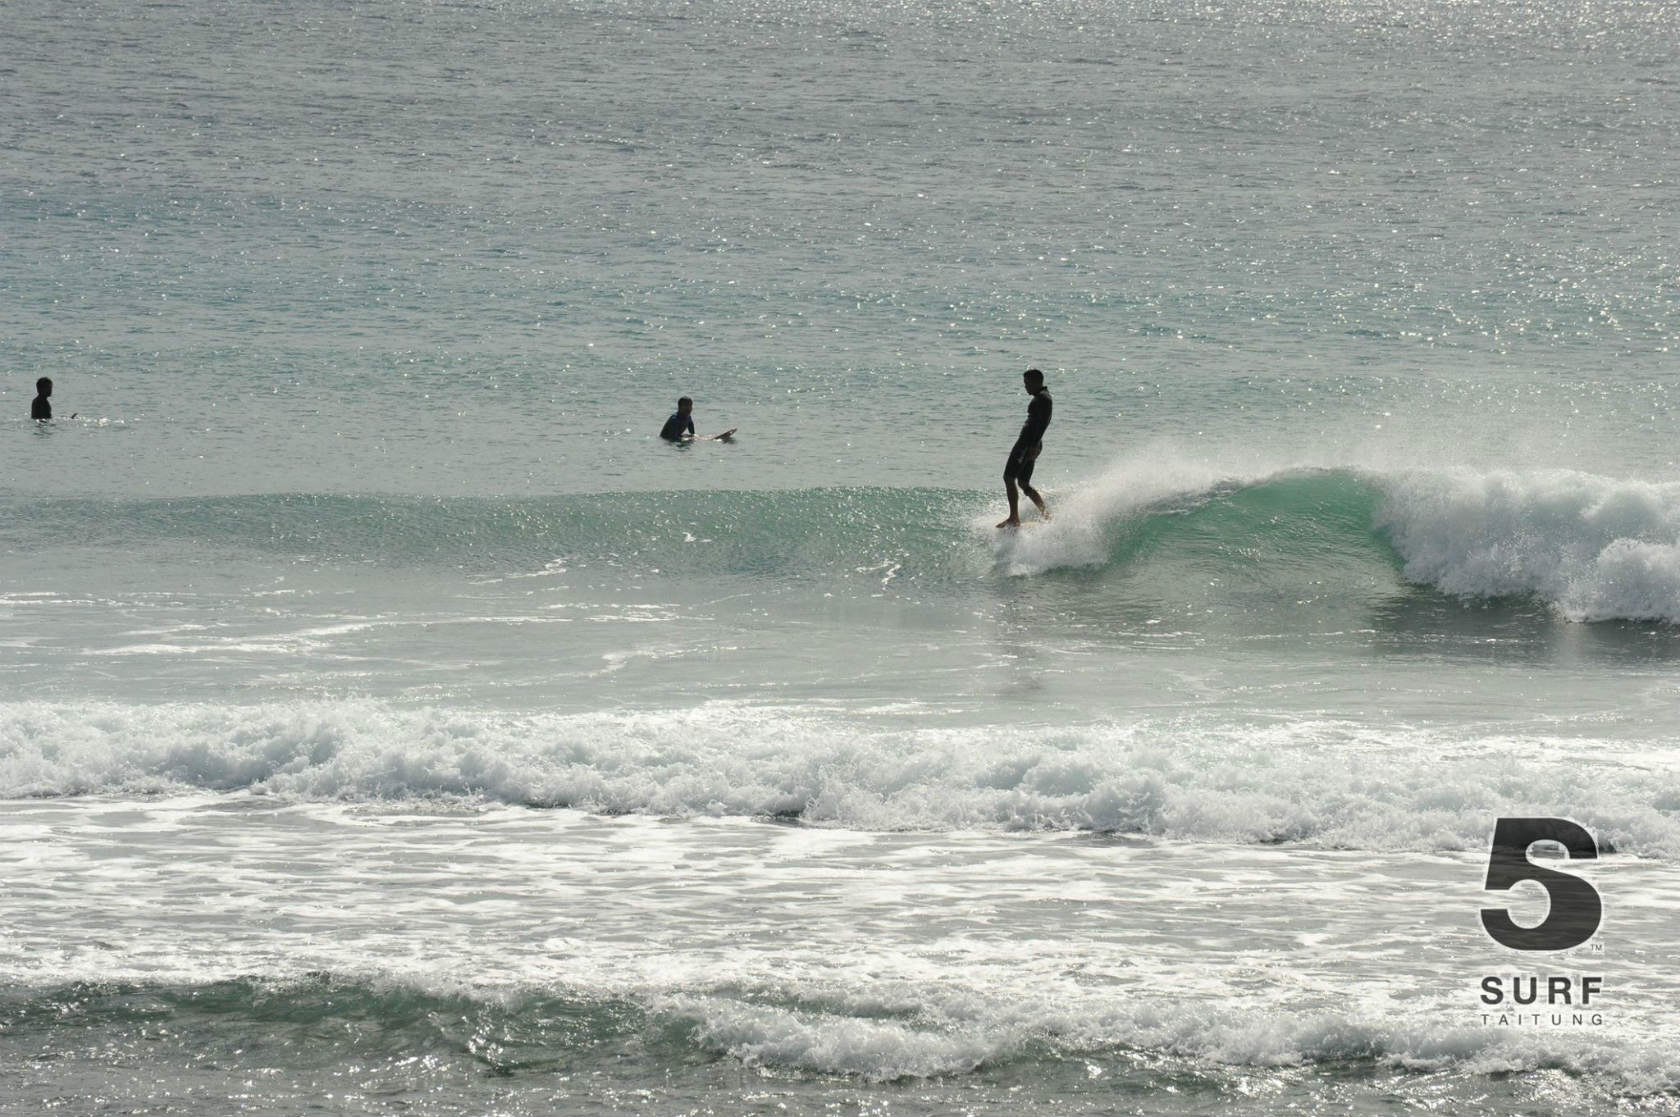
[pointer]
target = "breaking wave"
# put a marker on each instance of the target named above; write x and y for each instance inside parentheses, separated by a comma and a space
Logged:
(1591, 548)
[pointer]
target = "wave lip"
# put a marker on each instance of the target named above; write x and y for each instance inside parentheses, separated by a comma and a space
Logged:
(1594, 548)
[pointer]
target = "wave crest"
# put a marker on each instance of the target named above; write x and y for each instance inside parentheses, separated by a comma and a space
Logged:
(1592, 547)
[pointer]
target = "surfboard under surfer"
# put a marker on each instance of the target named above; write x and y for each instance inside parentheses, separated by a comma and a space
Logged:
(1018, 470)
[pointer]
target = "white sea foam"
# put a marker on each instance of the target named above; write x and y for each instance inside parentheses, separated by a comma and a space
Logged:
(1326, 782)
(1076, 534)
(1595, 547)
(1200, 1032)
(804, 949)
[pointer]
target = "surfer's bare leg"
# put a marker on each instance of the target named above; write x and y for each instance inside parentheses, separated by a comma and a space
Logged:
(1014, 519)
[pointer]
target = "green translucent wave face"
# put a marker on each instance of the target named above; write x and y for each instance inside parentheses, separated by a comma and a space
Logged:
(1292, 517)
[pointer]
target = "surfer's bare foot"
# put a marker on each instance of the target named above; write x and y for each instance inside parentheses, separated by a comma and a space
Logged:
(1011, 522)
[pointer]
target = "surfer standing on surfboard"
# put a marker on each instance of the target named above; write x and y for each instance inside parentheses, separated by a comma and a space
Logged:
(680, 426)
(1019, 469)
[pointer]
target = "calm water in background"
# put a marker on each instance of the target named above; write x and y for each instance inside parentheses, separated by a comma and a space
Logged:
(391, 722)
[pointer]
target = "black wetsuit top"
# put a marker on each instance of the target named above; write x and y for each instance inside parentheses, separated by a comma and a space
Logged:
(1038, 421)
(676, 425)
(40, 408)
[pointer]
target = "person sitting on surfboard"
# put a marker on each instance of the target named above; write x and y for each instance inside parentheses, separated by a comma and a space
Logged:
(680, 426)
(1019, 469)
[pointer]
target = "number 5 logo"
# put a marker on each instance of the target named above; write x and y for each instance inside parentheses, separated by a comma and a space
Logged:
(1576, 909)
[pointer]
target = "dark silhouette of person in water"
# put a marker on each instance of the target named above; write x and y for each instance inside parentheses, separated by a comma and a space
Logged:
(1018, 470)
(681, 423)
(40, 409)
(680, 426)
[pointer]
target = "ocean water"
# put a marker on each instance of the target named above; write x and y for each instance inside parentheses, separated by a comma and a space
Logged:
(391, 723)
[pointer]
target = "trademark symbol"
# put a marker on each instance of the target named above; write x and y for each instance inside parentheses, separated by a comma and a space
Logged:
(1596, 947)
